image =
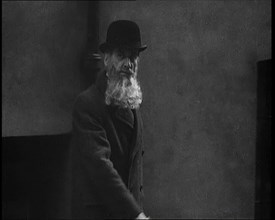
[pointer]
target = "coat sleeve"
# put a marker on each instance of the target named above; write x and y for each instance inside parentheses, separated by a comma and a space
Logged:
(95, 152)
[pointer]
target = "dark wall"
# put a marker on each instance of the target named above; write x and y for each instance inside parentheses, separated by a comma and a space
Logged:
(42, 49)
(199, 81)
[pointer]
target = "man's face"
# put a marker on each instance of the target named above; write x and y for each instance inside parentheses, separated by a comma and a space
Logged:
(121, 69)
(124, 62)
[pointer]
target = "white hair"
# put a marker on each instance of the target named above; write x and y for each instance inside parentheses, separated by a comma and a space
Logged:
(122, 91)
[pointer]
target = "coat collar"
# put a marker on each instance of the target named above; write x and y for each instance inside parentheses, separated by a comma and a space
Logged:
(101, 82)
(137, 138)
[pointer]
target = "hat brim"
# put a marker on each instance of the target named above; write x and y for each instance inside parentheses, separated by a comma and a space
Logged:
(105, 46)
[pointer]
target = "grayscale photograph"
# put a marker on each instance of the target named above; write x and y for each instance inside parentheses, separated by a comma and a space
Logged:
(157, 109)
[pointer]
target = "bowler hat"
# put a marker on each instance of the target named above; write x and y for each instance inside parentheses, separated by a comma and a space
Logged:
(123, 34)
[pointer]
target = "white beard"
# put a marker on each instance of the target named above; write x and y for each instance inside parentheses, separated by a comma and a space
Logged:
(122, 91)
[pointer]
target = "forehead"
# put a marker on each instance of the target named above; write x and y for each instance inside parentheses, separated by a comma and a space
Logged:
(127, 52)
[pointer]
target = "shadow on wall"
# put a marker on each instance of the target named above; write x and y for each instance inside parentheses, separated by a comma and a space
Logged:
(35, 177)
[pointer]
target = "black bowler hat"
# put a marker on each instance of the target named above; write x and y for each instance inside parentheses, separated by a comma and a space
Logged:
(123, 34)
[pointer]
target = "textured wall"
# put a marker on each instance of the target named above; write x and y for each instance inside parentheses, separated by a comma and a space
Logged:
(199, 83)
(42, 45)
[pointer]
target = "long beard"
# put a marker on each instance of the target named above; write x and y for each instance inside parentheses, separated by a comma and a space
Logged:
(122, 91)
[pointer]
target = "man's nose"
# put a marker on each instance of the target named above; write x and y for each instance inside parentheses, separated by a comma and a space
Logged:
(127, 64)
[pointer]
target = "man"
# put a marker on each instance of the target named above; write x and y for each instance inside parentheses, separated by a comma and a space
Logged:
(107, 141)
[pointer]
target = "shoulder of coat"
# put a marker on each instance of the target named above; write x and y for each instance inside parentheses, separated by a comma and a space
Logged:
(90, 101)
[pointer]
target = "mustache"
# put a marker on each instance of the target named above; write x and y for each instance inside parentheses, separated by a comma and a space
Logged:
(122, 72)
(128, 72)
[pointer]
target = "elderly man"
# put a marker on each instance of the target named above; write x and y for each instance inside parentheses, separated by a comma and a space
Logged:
(107, 146)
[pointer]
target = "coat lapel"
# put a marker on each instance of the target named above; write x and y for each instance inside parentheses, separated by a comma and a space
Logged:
(125, 116)
(136, 144)
(136, 141)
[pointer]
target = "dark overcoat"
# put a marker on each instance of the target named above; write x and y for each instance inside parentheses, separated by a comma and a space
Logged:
(107, 153)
